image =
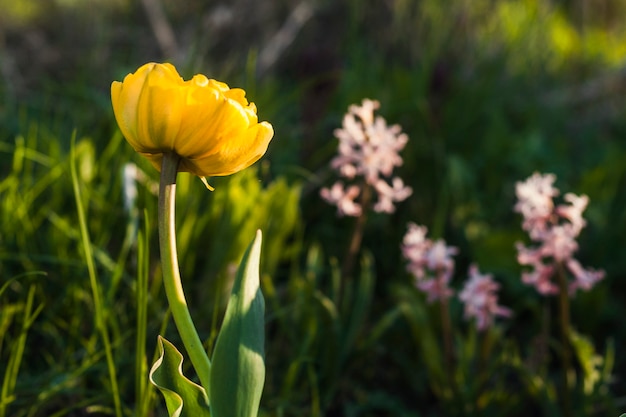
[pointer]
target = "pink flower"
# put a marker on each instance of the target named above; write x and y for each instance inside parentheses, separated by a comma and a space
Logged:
(414, 248)
(541, 278)
(435, 288)
(584, 279)
(367, 146)
(439, 257)
(555, 229)
(430, 262)
(366, 111)
(574, 212)
(387, 194)
(559, 242)
(370, 149)
(479, 295)
(534, 202)
(343, 199)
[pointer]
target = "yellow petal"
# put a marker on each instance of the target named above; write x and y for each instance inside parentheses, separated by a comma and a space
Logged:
(158, 118)
(218, 85)
(235, 154)
(261, 137)
(143, 111)
(238, 95)
(159, 109)
(207, 125)
(124, 97)
(125, 123)
(155, 159)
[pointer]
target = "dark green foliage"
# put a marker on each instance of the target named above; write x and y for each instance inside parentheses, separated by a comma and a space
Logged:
(487, 91)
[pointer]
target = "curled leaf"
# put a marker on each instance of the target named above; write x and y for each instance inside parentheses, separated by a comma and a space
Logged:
(183, 397)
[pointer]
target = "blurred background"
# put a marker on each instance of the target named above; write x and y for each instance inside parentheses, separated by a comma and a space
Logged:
(488, 91)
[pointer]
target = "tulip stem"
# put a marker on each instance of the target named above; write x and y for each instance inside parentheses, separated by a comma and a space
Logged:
(171, 275)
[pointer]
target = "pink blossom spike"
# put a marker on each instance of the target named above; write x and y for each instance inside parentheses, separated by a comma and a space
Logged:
(555, 229)
(430, 262)
(479, 296)
(369, 149)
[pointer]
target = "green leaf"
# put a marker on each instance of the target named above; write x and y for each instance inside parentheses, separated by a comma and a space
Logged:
(360, 305)
(183, 397)
(590, 362)
(238, 370)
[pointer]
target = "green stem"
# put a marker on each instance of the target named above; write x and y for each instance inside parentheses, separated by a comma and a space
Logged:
(171, 274)
(484, 343)
(357, 234)
(446, 333)
(565, 345)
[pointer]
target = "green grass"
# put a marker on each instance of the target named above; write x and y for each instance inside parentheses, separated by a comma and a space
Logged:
(81, 301)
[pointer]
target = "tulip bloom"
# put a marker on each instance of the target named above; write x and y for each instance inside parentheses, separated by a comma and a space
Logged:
(212, 128)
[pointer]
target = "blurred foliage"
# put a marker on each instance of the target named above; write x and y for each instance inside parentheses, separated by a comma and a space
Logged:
(488, 92)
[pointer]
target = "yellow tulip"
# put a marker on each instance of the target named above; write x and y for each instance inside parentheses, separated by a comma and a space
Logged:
(212, 128)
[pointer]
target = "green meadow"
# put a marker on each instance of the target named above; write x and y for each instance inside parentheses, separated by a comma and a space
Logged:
(488, 93)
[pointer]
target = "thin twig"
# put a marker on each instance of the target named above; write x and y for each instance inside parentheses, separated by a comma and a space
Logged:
(161, 27)
(285, 36)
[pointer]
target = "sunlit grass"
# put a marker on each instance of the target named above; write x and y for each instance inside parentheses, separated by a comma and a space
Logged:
(469, 82)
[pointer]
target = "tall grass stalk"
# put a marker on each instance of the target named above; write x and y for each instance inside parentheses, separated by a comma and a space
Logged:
(17, 351)
(142, 389)
(99, 308)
